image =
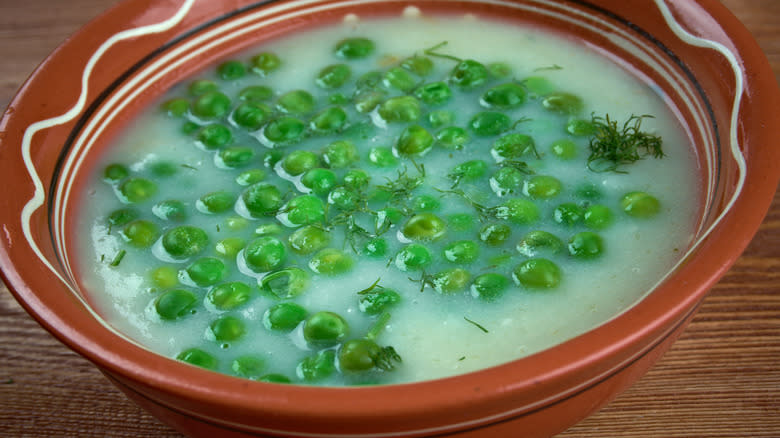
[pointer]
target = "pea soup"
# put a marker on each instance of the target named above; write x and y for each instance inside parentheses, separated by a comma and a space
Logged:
(388, 201)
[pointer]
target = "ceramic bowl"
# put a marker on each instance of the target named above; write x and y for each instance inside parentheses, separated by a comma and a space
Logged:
(704, 60)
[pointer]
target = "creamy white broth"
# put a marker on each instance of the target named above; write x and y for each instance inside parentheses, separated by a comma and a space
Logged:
(436, 335)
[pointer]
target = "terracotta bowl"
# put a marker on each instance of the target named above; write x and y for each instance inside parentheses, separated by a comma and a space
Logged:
(715, 75)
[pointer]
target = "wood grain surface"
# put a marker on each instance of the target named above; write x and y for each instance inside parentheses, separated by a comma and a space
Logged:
(720, 379)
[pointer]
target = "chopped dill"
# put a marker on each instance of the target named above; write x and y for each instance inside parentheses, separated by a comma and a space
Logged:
(369, 289)
(432, 52)
(518, 165)
(378, 326)
(187, 166)
(386, 358)
(476, 324)
(118, 258)
(485, 213)
(549, 67)
(613, 146)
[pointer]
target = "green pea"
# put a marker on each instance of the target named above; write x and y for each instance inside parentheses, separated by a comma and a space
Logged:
(358, 355)
(542, 187)
(402, 109)
(495, 234)
(376, 247)
(251, 116)
(164, 277)
(177, 107)
(468, 170)
(489, 286)
(262, 199)
(285, 283)
(580, 128)
(271, 229)
(562, 103)
(537, 274)
(564, 149)
(328, 121)
(308, 239)
(206, 271)
(229, 247)
(338, 99)
(163, 169)
(461, 251)
(506, 180)
(320, 181)
(229, 296)
(425, 203)
(298, 162)
(460, 222)
(504, 96)
(175, 304)
(343, 198)
(140, 233)
(271, 157)
(265, 254)
(588, 192)
(451, 280)
(568, 214)
(304, 210)
(369, 80)
(539, 242)
(283, 317)
(419, 65)
(434, 93)
(385, 217)
(233, 157)
(440, 118)
(586, 245)
(189, 127)
(354, 48)
(134, 190)
(185, 241)
(248, 366)
(227, 328)
(598, 217)
(317, 367)
(499, 70)
(255, 94)
(399, 79)
(216, 202)
(341, 154)
(325, 328)
(265, 63)
(512, 147)
(249, 177)
(452, 137)
(413, 257)
(424, 227)
(414, 141)
(490, 123)
(378, 302)
(211, 105)
(365, 101)
(284, 131)
(640, 204)
(201, 86)
(333, 76)
(331, 261)
(235, 223)
(468, 75)
(214, 136)
(382, 157)
(518, 211)
(198, 357)
(538, 86)
(273, 378)
(113, 173)
(296, 102)
(122, 216)
(231, 70)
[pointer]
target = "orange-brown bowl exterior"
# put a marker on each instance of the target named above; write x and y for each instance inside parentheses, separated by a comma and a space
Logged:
(535, 396)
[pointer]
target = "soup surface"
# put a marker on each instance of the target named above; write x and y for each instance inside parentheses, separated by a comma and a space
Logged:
(388, 201)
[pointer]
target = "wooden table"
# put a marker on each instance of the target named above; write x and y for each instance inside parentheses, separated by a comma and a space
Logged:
(721, 378)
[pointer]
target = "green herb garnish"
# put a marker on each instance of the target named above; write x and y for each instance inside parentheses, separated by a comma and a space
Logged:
(432, 52)
(476, 324)
(118, 258)
(613, 146)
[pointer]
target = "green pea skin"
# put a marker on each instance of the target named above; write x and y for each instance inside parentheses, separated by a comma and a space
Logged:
(461, 252)
(229, 247)
(452, 137)
(214, 136)
(495, 234)
(251, 116)
(586, 245)
(640, 204)
(354, 48)
(113, 173)
(229, 296)
(375, 248)
(424, 227)
(451, 280)
(375, 302)
(262, 199)
(564, 149)
(296, 102)
(211, 105)
(340, 154)
(537, 273)
(568, 214)
(414, 141)
(402, 109)
(198, 357)
(598, 217)
(434, 93)
(518, 211)
(175, 304)
(425, 203)
(343, 198)
(265, 254)
(490, 123)
(489, 286)
(539, 242)
(176, 107)
(284, 131)
(563, 103)
(303, 210)
(216, 202)
(399, 79)
(140, 233)
(233, 157)
(255, 94)
(319, 181)
(122, 216)
(231, 70)
(506, 180)
(325, 328)
(413, 257)
(382, 157)
(249, 177)
(328, 121)
(512, 147)
(284, 317)
(419, 65)
(265, 63)
(333, 76)
(358, 355)
(206, 271)
(298, 162)
(248, 367)
(542, 187)
(308, 239)
(135, 190)
(331, 261)
(317, 367)
(285, 283)
(468, 75)
(227, 328)
(504, 96)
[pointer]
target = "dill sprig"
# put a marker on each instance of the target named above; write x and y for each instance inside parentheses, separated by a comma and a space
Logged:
(613, 145)
(518, 165)
(432, 52)
(485, 213)
(401, 187)
(476, 324)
